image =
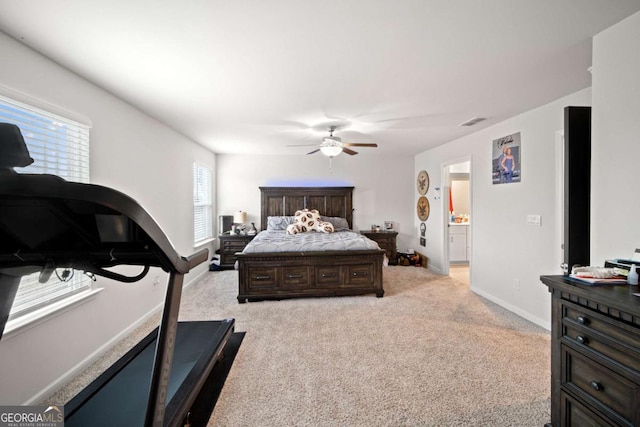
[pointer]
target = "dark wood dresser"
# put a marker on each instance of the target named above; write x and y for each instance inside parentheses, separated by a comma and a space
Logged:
(387, 241)
(595, 354)
(229, 245)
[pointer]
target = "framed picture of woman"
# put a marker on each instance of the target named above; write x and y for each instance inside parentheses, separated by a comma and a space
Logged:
(506, 163)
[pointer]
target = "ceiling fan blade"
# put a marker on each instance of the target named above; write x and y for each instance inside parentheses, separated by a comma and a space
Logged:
(356, 144)
(314, 151)
(300, 145)
(348, 151)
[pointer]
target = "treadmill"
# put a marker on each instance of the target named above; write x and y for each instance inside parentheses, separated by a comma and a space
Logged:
(48, 223)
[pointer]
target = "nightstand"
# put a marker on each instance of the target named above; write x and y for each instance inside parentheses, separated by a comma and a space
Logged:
(229, 245)
(387, 241)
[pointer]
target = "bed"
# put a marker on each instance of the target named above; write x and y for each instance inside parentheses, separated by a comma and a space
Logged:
(336, 271)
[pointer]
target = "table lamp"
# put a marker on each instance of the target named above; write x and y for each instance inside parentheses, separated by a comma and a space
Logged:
(239, 218)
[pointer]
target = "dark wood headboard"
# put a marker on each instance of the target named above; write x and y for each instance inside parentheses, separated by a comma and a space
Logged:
(285, 201)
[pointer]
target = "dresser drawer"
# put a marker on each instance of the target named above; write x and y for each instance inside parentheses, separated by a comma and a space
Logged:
(295, 277)
(386, 242)
(608, 348)
(263, 278)
(234, 245)
(328, 275)
(359, 275)
(612, 393)
(609, 337)
(575, 414)
(227, 258)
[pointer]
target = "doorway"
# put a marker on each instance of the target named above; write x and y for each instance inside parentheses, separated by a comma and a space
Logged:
(457, 220)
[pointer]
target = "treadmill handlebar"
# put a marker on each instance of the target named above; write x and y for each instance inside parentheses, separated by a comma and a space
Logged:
(197, 258)
(44, 217)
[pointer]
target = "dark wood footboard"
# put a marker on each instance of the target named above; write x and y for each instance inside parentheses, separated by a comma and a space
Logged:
(310, 274)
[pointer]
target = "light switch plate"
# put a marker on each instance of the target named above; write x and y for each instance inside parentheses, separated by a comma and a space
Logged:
(534, 219)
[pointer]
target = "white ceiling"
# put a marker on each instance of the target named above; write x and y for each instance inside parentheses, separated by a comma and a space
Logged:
(252, 76)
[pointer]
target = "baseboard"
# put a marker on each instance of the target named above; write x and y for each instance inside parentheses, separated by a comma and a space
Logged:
(196, 278)
(59, 382)
(435, 270)
(525, 315)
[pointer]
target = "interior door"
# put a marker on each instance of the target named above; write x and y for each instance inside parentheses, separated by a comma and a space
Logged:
(577, 186)
(559, 255)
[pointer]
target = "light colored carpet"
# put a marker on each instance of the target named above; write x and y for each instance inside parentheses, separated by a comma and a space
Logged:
(460, 273)
(430, 353)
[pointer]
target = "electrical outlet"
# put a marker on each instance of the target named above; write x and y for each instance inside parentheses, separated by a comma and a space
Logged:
(516, 284)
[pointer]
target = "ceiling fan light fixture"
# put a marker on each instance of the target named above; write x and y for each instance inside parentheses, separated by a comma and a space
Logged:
(331, 150)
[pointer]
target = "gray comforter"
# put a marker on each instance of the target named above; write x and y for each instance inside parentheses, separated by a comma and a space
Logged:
(311, 241)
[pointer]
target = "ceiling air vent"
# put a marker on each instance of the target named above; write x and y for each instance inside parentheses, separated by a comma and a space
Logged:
(473, 121)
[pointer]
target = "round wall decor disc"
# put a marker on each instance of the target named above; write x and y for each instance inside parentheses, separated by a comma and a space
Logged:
(422, 183)
(423, 208)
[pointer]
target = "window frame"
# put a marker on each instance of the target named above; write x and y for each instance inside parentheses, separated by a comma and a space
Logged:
(202, 204)
(60, 146)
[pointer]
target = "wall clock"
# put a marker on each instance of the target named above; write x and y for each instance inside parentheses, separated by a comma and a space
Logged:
(422, 182)
(423, 208)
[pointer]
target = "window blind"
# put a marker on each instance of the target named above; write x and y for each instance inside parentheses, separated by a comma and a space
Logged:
(202, 209)
(59, 146)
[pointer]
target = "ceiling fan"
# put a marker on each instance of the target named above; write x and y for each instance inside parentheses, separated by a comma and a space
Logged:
(331, 145)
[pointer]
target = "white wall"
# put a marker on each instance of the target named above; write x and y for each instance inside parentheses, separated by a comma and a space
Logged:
(615, 150)
(383, 185)
(132, 153)
(504, 247)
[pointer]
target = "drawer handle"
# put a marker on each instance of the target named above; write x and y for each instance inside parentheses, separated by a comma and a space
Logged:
(359, 273)
(582, 340)
(582, 320)
(596, 386)
(262, 277)
(294, 276)
(328, 274)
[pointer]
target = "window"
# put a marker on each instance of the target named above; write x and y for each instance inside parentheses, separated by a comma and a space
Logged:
(202, 209)
(59, 146)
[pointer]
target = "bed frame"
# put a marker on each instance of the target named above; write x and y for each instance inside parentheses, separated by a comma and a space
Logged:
(311, 274)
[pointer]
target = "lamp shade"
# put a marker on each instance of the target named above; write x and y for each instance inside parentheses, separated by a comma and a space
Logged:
(240, 217)
(331, 150)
